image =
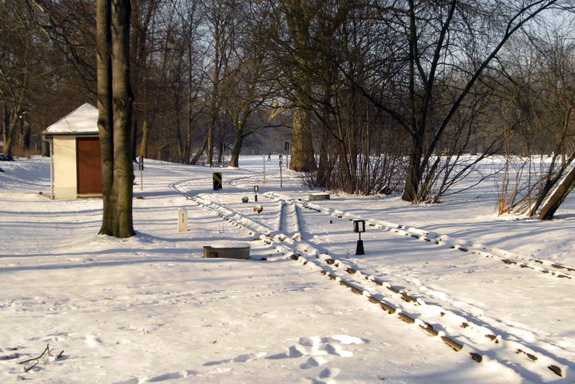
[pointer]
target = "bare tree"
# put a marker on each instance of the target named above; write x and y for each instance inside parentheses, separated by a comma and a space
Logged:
(358, 149)
(191, 78)
(435, 49)
(18, 65)
(220, 21)
(292, 36)
(541, 99)
(142, 45)
(248, 83)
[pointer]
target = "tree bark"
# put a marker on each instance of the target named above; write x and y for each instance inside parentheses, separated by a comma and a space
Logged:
(122, 102)
(302, 156)
(236, 149)
(15, 123)
(114, 116)
(105, 115)
(210, 142)
(299, 19)
(145, 137)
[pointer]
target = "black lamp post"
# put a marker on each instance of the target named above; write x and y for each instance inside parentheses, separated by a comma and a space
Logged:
(359, 227)
(256, 189)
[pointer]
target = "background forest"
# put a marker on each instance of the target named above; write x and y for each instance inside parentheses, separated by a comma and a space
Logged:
(373, 96)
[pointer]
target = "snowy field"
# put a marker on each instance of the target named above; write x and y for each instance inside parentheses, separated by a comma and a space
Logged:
(446, 293)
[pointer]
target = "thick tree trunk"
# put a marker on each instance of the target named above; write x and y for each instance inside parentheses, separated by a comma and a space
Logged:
(105, 116)
(236, 149)
(8, 140)
(12, 127)
(558, 196)
(325, 167)
(414, 174)
(302, 156)
(299, 19)
(122, 96)
(114, 116)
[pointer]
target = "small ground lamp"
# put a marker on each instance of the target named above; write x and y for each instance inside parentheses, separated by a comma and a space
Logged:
(256, 189)
(359, 227)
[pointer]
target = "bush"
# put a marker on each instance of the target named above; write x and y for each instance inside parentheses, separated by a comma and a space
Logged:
(5, 157)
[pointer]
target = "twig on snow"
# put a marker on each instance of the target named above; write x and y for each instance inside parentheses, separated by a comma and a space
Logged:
(39, 357)
(47, 352)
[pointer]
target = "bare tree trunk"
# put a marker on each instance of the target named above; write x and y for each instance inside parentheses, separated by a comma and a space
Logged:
(12, 127)
(236, 149)
(303, 159)
(105, 111)
(122, 101)
(114, 118)
(26, 133)
(325, 167)
(200, 151)
(4, 126)
(210, 142)
(145, 137)
(9, 136)
(221, 150)
(558, 196)
(299, 16)
(189, 137)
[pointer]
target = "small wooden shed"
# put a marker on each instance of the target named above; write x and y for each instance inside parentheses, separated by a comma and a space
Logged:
(75, 167)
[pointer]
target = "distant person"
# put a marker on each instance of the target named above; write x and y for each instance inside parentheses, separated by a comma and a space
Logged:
(270, 157)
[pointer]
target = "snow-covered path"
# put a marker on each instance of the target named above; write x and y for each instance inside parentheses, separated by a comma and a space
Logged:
(150, 309)
(458, 306)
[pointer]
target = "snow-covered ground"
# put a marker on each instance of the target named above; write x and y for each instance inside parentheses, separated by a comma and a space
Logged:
(446, 293)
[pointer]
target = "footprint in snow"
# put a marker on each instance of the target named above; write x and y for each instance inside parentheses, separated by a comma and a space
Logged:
(313, 362)
(329, 373)
(312, 351)
(93, 341)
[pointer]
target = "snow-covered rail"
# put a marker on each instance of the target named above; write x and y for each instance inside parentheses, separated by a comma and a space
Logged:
(289, 219)
(482, 342)
(510, 258)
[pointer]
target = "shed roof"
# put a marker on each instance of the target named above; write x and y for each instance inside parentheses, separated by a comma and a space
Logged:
(81, 121)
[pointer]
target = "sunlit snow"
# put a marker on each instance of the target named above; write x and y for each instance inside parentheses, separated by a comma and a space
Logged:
(445, 293)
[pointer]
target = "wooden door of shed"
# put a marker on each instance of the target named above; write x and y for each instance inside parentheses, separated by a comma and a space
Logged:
(88, 165)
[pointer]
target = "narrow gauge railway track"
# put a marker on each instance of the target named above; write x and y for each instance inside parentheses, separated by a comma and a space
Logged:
(460, 332)
(528, 263)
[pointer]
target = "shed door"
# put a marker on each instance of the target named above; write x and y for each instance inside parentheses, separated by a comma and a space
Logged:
(88, 165)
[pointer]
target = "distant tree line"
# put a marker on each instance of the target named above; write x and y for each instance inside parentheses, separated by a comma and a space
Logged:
(375, 96)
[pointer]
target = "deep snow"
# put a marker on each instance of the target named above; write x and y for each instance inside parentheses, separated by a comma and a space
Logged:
(151, 309)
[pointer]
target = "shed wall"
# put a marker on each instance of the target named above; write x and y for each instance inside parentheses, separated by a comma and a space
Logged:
(64, 158)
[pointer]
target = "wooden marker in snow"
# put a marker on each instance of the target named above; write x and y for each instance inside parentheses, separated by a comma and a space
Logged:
(182, 220)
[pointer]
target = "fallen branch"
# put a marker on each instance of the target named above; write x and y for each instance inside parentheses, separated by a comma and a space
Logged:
(28, 369)
(47, 352)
